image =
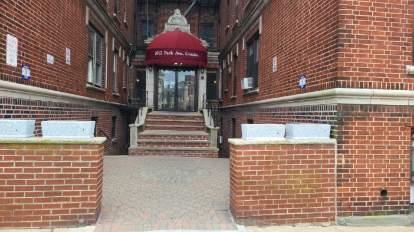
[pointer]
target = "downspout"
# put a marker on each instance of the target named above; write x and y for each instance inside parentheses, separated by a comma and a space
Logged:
(190, 7)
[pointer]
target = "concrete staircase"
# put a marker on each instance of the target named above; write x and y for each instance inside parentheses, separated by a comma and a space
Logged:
(174, 134)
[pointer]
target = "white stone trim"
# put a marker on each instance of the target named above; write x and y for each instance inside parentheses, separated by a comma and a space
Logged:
(339, 96)
(242, 142)
(15, 90)
(65, 141)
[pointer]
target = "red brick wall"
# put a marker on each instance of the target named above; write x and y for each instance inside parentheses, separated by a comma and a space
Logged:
(375, 44)
(303, 36)
(48, 27)
(50, 185)
(374, 144)
(41, 110)
(373, 150)
(282, 183)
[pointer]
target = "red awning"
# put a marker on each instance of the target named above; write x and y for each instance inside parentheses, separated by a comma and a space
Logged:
(176, 48)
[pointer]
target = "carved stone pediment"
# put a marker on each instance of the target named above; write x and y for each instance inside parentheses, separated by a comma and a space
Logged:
(177, 21)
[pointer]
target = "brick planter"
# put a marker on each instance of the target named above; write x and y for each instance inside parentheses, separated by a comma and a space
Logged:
(282, 181)
(50, 182)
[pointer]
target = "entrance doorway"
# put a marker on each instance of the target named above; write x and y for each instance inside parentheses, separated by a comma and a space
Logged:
(176, 90)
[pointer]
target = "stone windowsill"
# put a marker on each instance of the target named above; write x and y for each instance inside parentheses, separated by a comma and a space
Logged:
(251, 91)
(42, 140)
(96, 88)
(242, 142)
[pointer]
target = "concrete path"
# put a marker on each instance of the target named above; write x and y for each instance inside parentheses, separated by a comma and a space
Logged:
(331, 229)
(179, 195)
(165, 193)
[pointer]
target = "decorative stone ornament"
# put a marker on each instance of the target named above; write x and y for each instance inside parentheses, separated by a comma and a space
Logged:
(177, 21)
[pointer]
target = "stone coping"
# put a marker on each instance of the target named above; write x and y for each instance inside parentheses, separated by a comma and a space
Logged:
(56, 141)
(242, 142)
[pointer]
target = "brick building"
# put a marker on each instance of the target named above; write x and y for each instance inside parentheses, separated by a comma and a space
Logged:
(78, 54)
(351, 58)
(155, 19)
(345, 63)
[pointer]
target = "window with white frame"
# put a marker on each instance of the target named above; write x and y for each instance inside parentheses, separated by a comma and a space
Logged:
(117, 8)
(95, 58)
(253, 59)
(115, 73)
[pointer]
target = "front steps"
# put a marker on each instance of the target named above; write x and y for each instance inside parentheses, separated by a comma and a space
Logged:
(174, 134)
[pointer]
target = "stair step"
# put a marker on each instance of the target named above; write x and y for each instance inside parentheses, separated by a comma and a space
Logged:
(160, 142)
(176, 151)
(175, 116)
(171, 122)
(173, 135)
(174, 127)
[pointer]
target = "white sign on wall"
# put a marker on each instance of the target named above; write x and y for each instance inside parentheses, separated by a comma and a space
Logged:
(274, 64)
(67, 56)
(11, 50)
(50, 59)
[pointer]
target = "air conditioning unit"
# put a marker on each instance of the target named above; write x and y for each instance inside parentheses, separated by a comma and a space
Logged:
(247, 83)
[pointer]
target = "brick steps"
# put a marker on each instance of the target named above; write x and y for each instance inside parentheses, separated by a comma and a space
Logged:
(174, 134)
(205, 152)
(154, 121)
(174, 127)
(172, 143)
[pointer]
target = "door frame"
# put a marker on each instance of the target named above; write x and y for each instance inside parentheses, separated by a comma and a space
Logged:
(176, 70)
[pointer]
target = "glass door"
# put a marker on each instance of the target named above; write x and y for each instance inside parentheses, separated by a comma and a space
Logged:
(186, 91)
(176, 90)
(166, 90)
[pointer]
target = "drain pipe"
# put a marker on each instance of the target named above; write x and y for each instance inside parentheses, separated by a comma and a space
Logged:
(190, 7)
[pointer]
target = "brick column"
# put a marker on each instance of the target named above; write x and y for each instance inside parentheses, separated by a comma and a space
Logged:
(282, 181)
(50, 183)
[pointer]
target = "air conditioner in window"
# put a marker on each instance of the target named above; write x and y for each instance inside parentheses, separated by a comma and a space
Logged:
(247, 83)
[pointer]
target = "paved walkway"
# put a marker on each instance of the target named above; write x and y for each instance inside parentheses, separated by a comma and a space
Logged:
(176, 195)
(165, 193)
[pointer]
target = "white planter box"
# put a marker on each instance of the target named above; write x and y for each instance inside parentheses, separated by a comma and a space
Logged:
(307, 131)
(11, 128)
(262, 131)
(68, 129)
(412, 194)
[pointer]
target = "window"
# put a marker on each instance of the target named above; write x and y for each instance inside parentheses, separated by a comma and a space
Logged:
(125, 77)
(115, 73)
(117, 7)
(95, 58)
(113, 129)
(250, 121)
(125, 12)
(207, 33)
(147, 28)
(253, 59)
(234, 77)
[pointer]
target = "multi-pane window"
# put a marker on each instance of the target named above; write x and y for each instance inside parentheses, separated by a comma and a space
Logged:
(95, 58)
(147, 28)
(207, 33)
(117, 7)
(115, 73)
(253, 59)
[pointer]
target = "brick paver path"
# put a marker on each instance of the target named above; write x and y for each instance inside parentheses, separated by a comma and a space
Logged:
(165, 193)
